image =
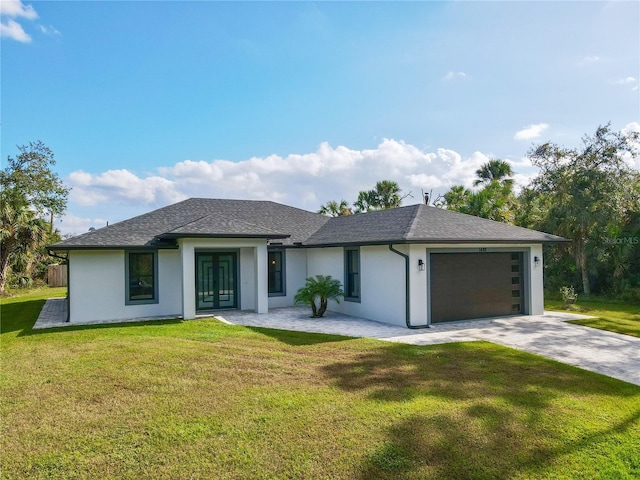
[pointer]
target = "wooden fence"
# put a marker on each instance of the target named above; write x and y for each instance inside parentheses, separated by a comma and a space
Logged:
(57, 275)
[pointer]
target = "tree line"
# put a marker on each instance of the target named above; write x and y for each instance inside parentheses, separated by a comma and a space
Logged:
(385, 194)
(588, 194)
(31, 196)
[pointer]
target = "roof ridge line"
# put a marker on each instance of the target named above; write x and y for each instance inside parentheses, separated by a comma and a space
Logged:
(412, 223)
(186, 223)
(218, 215)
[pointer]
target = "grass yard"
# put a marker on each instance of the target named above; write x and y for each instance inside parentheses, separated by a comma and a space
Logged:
(201, 399)
(610, 315)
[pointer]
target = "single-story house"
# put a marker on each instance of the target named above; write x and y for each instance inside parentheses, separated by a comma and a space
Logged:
(410, 266)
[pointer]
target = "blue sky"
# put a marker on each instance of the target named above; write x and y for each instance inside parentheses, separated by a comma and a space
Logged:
(147, 103)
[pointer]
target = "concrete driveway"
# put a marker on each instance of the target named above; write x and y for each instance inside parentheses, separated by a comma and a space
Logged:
(611, 354)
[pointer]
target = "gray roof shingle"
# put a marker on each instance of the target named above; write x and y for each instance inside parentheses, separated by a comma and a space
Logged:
(421, 224)
(202, 217)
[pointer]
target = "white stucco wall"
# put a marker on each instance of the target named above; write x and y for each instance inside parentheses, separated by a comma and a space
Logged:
(97, 280)
(295, 276)
(97, 287)
(536, 299)
(382, 283)
(419, 285)
(383, 279)
(247, 279)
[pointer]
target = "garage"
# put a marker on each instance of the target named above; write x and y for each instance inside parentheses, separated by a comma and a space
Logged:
(475, 285)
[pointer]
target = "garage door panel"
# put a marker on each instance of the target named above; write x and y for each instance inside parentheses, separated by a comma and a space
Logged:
(470, 285)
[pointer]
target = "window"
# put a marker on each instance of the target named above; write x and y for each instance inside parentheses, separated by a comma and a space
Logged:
(142, 286)
(276, 273)
(352, 274)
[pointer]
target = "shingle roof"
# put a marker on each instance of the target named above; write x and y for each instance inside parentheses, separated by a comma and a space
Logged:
(205, 217)
(202, 217)
(421, 224)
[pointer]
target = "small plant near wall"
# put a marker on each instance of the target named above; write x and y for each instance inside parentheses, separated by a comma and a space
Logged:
(321, 289)
(568, 295)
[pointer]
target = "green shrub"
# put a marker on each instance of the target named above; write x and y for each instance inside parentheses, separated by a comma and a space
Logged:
(322, 289)
(568, 294)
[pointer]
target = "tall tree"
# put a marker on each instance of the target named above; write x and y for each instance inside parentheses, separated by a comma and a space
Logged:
(21, 235)
(586, 188)
(494, 170)
(495, 200)
(29, 191)
(385, 195)
(366, 202)
(335, 209)
(456, 198)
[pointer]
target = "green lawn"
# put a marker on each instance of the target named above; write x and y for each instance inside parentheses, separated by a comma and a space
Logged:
(610, 315)
(201, 399)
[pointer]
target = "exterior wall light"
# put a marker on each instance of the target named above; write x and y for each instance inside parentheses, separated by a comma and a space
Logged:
(536, 260)
(421, 265)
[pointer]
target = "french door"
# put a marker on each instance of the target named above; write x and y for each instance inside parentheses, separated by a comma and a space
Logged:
(216, 282)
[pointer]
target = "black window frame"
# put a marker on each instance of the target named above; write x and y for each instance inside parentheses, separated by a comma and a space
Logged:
(352, 277)
(282, 273)
(128, 279)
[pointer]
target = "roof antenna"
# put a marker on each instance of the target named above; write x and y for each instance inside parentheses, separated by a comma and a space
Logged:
(426, 196)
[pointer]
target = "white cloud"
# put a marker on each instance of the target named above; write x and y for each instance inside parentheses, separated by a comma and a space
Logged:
(421, 180)
(50, 30)
(626, 81)
(302, 180)
(532, 131)
(589, 60)
(629, 82)
(15, 9)
(12, 29)
(75, 224)
(451, 75)
(121, 187)
(630, 127)
(632, 161)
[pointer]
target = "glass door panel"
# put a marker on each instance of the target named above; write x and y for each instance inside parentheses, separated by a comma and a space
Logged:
(226, 280)
(216, 285)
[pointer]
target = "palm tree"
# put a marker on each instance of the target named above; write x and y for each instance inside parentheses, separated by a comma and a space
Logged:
(494, 170)
(457, 197)
(366, 202)
(387, 194)
(306, 296)
(322, 288)
(335, 209)
(495, 202)
(21, 234)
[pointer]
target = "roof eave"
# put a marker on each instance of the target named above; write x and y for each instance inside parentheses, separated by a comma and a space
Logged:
(267, 236)
(436, 241)
(66, 248)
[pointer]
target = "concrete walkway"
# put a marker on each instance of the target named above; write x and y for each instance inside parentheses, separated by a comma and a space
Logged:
(548, 335)
(53, 314)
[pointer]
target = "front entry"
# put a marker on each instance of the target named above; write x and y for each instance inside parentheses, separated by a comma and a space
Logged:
(216, 282)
